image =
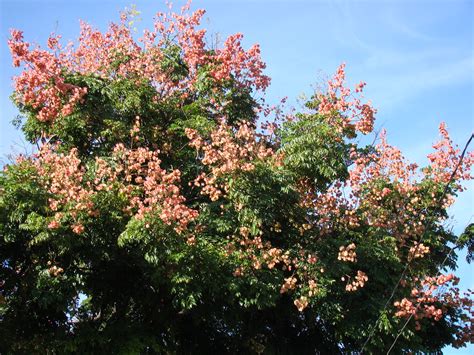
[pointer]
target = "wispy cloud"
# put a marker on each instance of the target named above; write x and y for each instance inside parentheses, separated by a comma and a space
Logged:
(410, 82)
(399, 26)
(409, 61)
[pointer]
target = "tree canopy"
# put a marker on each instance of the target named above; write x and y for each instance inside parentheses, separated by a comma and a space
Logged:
(169, 209)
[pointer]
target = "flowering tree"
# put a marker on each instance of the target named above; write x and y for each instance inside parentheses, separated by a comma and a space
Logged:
(159, 215)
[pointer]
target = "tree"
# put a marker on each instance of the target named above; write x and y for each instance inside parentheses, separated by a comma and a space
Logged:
(160, 216)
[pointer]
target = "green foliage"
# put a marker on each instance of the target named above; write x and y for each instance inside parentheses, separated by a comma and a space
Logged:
(467, 239)
(315, 150)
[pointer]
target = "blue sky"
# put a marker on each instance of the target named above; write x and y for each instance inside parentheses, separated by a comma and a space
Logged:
(416, 57)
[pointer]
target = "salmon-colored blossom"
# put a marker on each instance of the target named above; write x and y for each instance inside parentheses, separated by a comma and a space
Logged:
(43, 82)
(341, 109)
(135, 172)
(431, 299)
(225, 154)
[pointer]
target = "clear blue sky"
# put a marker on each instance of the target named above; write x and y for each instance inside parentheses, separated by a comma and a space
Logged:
(416, 57)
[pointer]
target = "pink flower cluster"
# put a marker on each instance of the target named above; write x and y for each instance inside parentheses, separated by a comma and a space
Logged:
(431, 300)
(254, 251)
(445, 158)
(63, 176)
(347, 253)
(116, 54)
(418, 250)
(384, 191)
(343, 110)
(41, 84)
(159, 188)
(301, 303)
(333, 208)
(359, 281)
(226, 153)
(290, 284)
(134, 173)
(246, 66)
